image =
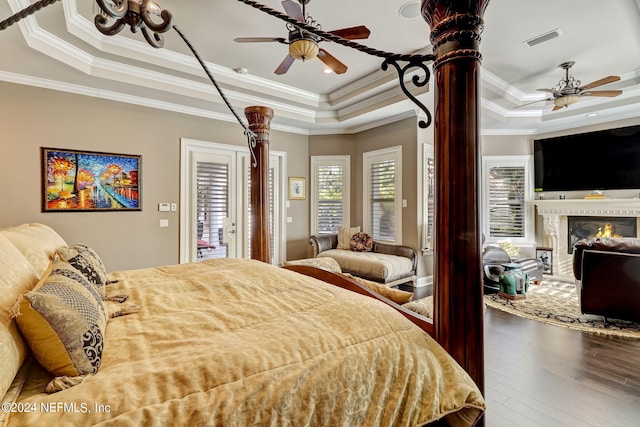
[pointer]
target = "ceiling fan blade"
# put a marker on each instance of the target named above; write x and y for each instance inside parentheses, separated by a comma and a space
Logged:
(547, 90)
(603, 81)
(331, 62)
(352, 33)
(259, 39)
(601, 93)
(285, 65)
(293, 10)
(557, 107)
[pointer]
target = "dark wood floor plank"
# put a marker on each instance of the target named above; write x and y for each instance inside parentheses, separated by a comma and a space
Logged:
(540, 374)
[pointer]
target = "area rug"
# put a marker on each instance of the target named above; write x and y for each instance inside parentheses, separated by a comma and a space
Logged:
(556, 302)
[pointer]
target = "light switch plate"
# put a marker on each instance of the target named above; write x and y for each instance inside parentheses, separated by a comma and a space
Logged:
(164, 223)
(164, 207)
(174, 207)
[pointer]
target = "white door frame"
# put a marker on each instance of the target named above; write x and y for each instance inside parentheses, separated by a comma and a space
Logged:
(188, 147)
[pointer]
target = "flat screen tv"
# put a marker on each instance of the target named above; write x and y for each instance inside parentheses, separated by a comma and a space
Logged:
(603, 160)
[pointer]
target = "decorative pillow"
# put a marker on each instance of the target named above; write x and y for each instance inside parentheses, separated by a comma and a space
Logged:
(344, 236)
(326, 263)
(37, 242)
(87, 262)
(422, 306)
(361, 242)
(63, 322)
(396, 295)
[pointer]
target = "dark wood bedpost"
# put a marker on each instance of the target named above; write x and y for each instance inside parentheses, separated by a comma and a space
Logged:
(455, 35)
(259, 122)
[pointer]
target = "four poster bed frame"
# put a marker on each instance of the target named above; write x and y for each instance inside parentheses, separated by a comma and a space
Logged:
(457, 323)
(456, 26)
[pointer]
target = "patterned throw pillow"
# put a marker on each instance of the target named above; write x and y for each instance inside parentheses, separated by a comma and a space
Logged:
(85, 260)
(63, 321)
(361, 242)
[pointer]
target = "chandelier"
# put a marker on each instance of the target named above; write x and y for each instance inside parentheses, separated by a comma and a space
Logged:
(137, 15)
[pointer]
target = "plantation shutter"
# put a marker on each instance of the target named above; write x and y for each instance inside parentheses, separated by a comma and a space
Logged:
(506, 202)
(382, 196)
(330, 198)
(430, 190)
(212, 205)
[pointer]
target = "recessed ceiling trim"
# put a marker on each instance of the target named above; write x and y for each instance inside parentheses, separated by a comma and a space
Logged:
(84, 29)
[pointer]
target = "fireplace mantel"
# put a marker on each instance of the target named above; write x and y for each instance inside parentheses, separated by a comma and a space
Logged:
(589, 207)
(555, 213)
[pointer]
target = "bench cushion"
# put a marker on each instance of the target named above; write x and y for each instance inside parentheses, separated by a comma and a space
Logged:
(370, 264)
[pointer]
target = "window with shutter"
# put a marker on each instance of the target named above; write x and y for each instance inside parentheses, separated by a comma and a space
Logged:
(330, 195)
(507, 188)
(383, 194)
(429, 192)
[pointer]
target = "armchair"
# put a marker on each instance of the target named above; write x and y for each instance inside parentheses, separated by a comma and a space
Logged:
(492, 259)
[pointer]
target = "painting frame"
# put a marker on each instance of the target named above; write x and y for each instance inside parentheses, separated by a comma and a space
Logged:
(297, 188)
(90, 181)
(545, 255)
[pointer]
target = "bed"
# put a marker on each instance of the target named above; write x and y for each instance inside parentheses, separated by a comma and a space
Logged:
(230, 342)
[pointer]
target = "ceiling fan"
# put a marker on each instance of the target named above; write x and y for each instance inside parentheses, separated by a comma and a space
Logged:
(302, 44)
(569, 90)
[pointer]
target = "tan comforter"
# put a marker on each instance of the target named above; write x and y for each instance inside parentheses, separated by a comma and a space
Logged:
(243, 343)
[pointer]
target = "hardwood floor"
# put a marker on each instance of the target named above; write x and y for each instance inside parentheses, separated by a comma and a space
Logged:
(545, 375)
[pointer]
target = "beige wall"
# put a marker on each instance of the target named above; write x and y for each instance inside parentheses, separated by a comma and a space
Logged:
(33, 117)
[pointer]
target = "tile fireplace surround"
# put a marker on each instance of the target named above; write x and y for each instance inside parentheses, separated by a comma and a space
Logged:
(555, 212)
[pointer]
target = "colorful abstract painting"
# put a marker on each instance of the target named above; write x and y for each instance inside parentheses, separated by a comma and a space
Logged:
(90, 181)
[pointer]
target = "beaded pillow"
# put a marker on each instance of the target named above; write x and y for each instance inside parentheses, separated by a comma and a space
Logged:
(63, 322)
(361, 242)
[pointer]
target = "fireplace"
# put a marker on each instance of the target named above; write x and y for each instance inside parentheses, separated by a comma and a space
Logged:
(555, 214)
(588, 227)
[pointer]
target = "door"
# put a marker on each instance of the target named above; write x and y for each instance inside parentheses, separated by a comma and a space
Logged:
(215, 208)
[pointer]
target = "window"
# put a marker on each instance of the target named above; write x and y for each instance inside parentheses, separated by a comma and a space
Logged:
(507, 187)
(382, 203)
(429, 192)
(330, 195)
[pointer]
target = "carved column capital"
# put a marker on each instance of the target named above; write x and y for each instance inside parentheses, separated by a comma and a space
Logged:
(456, 26)
(259, 119)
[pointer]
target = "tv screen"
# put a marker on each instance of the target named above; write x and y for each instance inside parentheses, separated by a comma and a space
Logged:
(603, 160)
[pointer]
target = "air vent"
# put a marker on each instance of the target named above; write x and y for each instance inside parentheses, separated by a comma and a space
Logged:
(543, 37)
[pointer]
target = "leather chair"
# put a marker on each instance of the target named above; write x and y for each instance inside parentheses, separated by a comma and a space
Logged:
(492, 259)
(607, 272)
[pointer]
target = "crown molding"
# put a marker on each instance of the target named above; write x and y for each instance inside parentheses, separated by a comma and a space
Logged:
(131, 99)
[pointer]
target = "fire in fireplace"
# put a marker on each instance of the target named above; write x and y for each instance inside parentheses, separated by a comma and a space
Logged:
(588, 227)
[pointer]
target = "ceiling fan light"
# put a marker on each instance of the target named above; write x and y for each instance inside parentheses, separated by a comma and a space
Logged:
(566, 100)
(303, 49)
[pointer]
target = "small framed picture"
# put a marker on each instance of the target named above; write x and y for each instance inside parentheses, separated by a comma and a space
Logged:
(546, 256)
(297, 187)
